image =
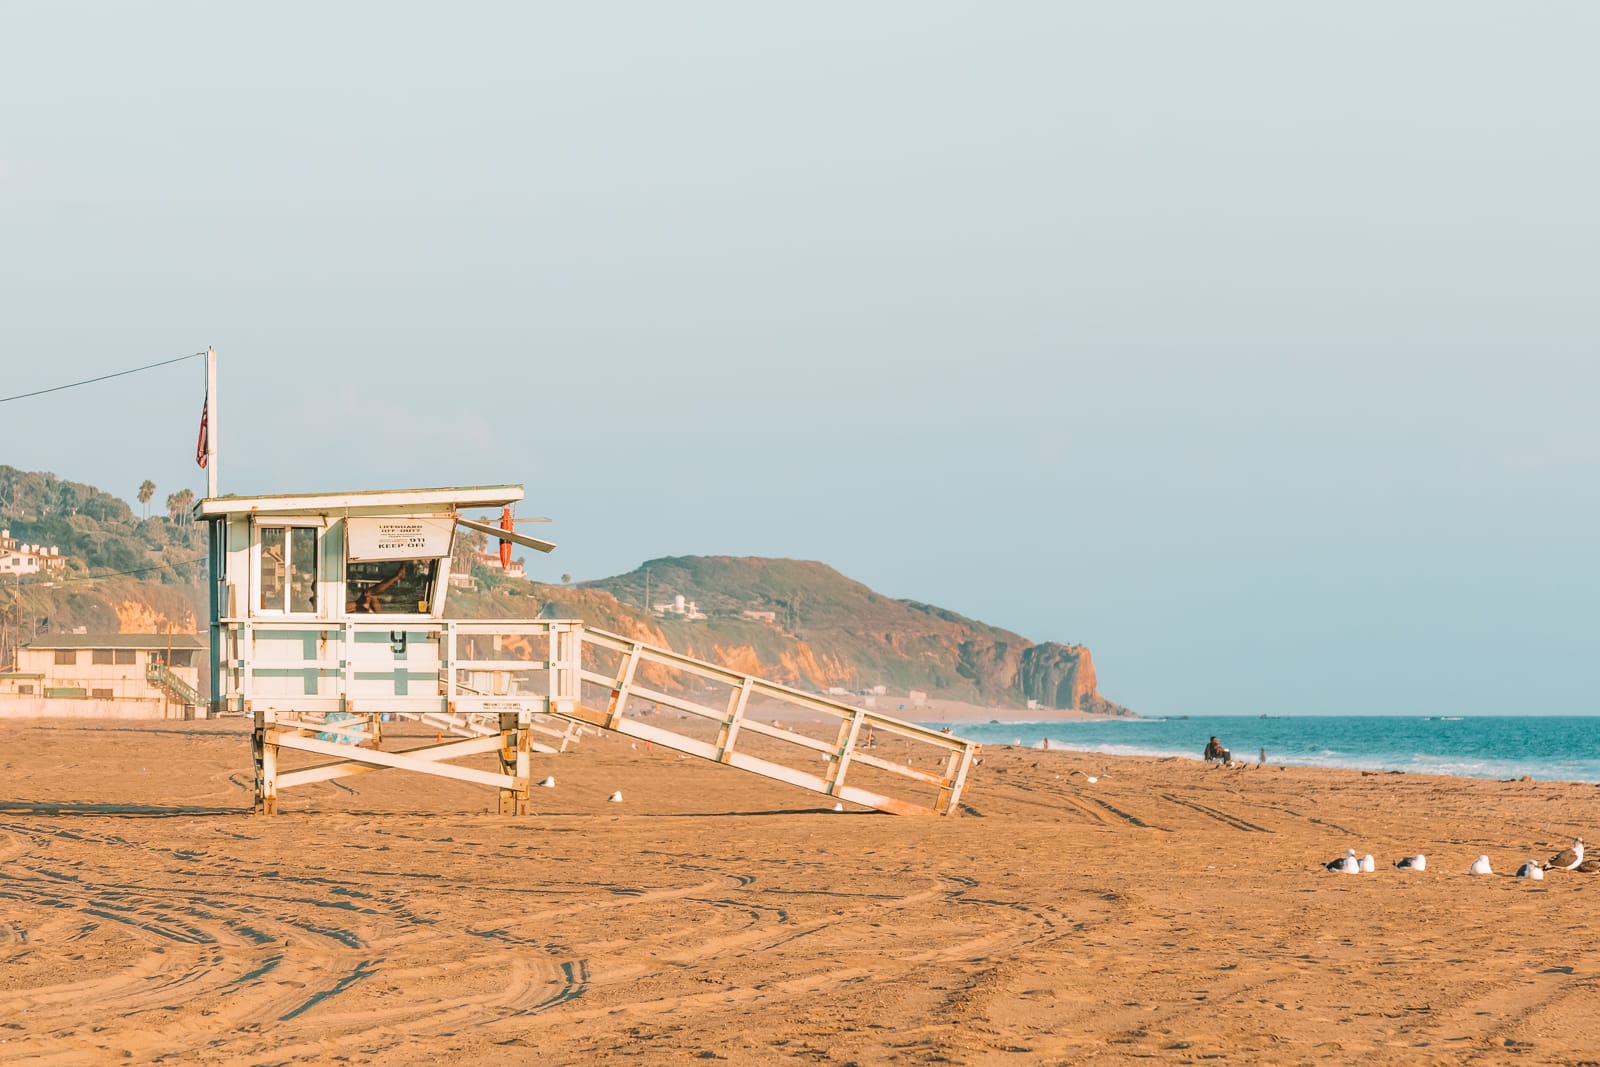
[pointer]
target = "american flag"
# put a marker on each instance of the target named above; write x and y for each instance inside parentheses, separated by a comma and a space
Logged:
(202, 452)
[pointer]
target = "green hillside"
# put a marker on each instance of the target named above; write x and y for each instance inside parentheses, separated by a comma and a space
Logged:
(98, 532)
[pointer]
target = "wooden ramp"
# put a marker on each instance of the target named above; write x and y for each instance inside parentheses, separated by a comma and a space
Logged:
(520, 688)
(691, 706)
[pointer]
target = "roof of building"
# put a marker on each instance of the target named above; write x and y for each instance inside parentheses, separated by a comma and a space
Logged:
(47, 641)
(469, 496)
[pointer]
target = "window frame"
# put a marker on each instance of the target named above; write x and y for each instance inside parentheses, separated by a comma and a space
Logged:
(285, 609)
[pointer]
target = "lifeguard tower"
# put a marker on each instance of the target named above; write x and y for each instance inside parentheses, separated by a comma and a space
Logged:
(327, 619)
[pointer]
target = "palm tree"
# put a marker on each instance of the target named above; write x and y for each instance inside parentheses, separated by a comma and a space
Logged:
(178, 505)
(147, 489)
(566, 579)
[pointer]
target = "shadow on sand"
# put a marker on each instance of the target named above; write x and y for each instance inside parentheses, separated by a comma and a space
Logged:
(158, 811)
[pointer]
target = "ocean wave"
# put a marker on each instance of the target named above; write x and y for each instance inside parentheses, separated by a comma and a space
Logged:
(1568, 770)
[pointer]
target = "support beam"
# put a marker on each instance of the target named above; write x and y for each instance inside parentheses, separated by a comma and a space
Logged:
(403, 761)
(323, 772)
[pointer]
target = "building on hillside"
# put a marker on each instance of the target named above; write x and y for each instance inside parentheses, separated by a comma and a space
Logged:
(19, 559)
(679, 606)
(491, 561)
(115, 667)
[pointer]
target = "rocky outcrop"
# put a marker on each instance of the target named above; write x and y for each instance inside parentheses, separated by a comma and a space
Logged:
(1058, 676)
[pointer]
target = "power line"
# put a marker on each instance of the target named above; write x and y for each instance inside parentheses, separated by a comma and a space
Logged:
(137, 570)
(110, 574)
(103, 377)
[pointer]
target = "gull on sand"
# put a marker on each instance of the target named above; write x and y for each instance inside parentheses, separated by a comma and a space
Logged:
(1568, 858)
(1346, 864)
(1419, 862)
(1480, 866)
(1530, 870)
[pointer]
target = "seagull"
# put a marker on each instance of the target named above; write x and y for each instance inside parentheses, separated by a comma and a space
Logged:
(1480, 866)
(1568, 858)
(1368, 864)
(1346, 864)
(1419, 862)
(1530, 870)
(1589, 866)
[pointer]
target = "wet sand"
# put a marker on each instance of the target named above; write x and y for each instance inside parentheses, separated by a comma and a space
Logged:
(1169, 911)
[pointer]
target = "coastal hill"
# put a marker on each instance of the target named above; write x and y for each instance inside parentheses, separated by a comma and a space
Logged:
(804, 624)
(797, 622)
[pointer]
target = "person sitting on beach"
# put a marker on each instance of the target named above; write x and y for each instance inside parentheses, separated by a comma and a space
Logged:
(1215, 753)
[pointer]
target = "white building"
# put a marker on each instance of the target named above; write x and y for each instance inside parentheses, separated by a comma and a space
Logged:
(57, 672)
(491, 561)
(19, 559)
(679, 606)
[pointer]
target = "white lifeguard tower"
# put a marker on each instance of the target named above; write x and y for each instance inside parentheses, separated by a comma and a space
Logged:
(327, 618)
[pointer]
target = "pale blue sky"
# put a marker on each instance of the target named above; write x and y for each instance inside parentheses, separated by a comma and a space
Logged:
(1253, 345)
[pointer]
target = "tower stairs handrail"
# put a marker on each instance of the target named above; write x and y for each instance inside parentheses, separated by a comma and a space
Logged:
(161, 676)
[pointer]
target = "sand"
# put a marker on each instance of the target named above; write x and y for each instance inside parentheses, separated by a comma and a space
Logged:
(1170, 911)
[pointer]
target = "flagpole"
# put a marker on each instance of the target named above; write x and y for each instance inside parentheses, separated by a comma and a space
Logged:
(211, 421)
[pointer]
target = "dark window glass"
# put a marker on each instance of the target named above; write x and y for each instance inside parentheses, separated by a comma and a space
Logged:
(288, 568)
(274, 571)
(390, 587)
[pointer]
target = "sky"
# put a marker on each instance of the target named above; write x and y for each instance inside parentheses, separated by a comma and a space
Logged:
(1252, 345)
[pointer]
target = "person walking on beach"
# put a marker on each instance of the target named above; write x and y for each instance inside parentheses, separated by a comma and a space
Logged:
(1215, 753)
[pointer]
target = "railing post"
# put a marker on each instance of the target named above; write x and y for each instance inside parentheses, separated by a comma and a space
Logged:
(570, 685)
(849, 729)
(447, 656)
(730, 725)
(619, 695)
(950, 795)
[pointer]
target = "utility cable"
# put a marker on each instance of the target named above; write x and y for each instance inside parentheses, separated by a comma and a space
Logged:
(111, 574)
(103, 377)
(137, 570)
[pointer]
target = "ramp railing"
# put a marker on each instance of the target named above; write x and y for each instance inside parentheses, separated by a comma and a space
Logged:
(494, 683)
(743, 721)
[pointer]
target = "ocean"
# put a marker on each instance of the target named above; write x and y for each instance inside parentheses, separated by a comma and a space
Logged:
(1556, 748)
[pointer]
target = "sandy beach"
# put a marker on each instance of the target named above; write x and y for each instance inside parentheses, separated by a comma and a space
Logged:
(1166, 911)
